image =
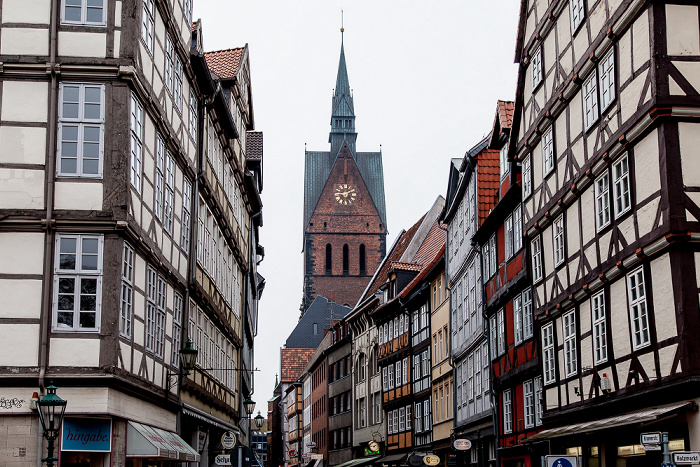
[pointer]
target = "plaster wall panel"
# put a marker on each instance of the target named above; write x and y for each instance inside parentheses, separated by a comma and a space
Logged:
(551, 398)
(25, 101)
(24, 41)
(530, 26)
(563, 29)
(146, 63)
(647, 362)
(21, 189)
(586, 382)
(21, 298)
(135, 205)
(551, 180)
(21, 344)
(689, 138)
(673, 88)
(566, 60)
(578, 152)
(604, 243)
(586, 357)
(572, 265)
(117, 43)
(125, 349)
(624, 57)
(584, 317)
(619, 320)
(627, 229)
(646, 215)
(622, 372)
(646, 163)
(682, 28)
(662, 287)
(82, 44)
(75, 352)
(139, 328)
(26, 11)
(22, 145)
(79, 196)
(666, 358)
(588, 211)
(536, 167)
(690, 71)
(580, 43)
(629, 97)
(641, 41)
(575, 118)
(21, 253)
(591, 257)
(613, 5)
(563, 280)
(597, 17)
(547, 251)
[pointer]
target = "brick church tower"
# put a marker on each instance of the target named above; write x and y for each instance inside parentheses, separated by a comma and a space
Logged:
(344, 209)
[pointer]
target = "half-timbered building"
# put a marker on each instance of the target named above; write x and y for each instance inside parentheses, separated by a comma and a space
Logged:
(605, 129)
(471, 193)
(103, 125)
(513, 351)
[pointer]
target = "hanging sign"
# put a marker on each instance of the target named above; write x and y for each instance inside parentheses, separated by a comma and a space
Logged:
(86, 434)
(462, 444)
(228, 439)
(223, 459)
(431, 459)
(373, 446)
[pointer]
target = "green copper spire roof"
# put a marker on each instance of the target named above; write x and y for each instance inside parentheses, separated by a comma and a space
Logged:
(343, 113)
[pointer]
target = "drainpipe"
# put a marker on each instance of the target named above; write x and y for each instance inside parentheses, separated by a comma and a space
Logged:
(49, 236)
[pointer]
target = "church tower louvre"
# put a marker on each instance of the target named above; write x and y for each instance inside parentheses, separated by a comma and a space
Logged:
(344, 208)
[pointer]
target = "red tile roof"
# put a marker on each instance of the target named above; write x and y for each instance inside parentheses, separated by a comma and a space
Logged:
(292, 362)
(406, 266)
(489, 178)
(224, 62)
(394, 255)
(429, 253)
(505, 113)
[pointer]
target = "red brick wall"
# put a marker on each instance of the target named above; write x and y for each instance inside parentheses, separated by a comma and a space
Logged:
(337, 224)
(319, 409)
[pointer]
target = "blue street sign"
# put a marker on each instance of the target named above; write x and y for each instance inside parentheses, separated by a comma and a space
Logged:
(561, 461)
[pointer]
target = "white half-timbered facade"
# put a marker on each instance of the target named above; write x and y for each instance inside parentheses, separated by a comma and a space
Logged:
(605, 119)
(107, 109)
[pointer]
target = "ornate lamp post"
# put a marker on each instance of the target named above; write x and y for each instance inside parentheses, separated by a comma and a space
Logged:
(188, 358)
(259, 420)
(51, 410)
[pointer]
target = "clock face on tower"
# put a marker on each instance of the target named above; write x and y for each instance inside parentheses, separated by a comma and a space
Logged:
(345, 194)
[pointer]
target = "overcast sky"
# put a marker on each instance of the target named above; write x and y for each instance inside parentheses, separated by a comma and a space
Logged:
(426, 76)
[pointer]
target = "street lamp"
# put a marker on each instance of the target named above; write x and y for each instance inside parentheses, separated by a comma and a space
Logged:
(249, 405)
(188, 357)
(51, 410)
(259, 420)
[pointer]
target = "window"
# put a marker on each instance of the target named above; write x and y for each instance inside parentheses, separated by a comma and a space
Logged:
(402, 419)
(385, 379)
(507, 412)
(538, 400)
(186, 214)
(536, 66)
(159, 179)
(548, 353)
(329, 258)
(493, 337)
(536, 260)
(173, 72)
(517, 229)
(547, 152)
(187, 10)
(147, 24)
(155, 312)
(377, 408)
(477, 372)
(638, 309)
(136, 125)
(419, 418)
(489, 255)
(363, 260)
(501, 332)
(529, 403)
(527, 176)
(81, 117)
(590, 100)
(441, 347)
(192, 121)
(504, 160)
(602, 201)
(607, 80)
(518, 319)
(169, 197)
(509, 236)
(621, 186)
(346, 259)
(600, 344)
(470, 376)
(84, 12)
(527, 313)
(126, 310)
(577, 14)
(570, 355)
(177, 330)
(77, 282)
(399, 381)
(558, 233)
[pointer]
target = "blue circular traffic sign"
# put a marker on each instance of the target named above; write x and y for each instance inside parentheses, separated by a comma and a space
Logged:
(561, 462)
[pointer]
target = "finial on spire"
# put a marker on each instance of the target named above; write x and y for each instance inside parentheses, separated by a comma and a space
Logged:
(342, 28)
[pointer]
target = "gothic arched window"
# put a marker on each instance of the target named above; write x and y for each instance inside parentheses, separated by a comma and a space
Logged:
(346, 259)
(329, 258)
(363, 262)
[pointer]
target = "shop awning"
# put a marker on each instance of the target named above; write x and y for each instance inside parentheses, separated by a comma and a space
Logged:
(154, 443)
(631, 418)
(391, 459)
(357, 462)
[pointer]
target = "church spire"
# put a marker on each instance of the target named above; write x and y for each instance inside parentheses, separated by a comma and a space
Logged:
(343, 113)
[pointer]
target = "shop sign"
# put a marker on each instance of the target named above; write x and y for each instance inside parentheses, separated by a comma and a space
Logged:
(653, 437)
(87, 434)
(561, 461)
(431, 459)
(223, 459)
(451, 459)
(228, 440)
(373, 446)
(462, 444)
(686, 457)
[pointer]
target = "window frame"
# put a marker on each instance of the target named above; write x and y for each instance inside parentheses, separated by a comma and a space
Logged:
(136, 142)
(81, 123)
(624, 179)
(536, 68)
(536, 253)
(548, 354)
(83, 15)
(606, 84)
(603, 212)
(148, 25)
(507, 411)
(589, 96)
(529, 403)
(633, 303)
(559, 240)
(78, 273)
(570, 340)
(527, 176)
(599, 328)
(576, 6)
(126, 302)
(548, 152)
